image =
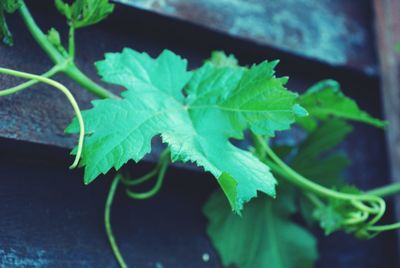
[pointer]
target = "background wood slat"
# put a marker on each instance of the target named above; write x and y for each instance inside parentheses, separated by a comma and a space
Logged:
(40, 115)
(335, 32)
(387, 25)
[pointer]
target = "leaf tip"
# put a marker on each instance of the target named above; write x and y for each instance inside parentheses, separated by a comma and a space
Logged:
(299, 111)
(88, 179)
(228, 185)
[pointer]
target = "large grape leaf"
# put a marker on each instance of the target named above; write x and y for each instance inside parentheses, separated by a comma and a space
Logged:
(196, 125)
(264, 236)
(325, 100)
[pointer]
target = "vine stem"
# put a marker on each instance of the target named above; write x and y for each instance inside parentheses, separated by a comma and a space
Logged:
(378, 204)
(156, 187)
(382, 228)
(58, 86)
(317, 202)
(386, 190)
(142, 179)
(107, 221)
(161, 169)
(71, 41)
(305, 183)
(71, 69)
(20, 87)
(314, 199)
(38, 35)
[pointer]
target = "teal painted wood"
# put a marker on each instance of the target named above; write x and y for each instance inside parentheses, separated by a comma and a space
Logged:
(335, 32)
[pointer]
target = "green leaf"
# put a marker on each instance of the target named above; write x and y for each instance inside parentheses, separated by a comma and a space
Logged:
(54, 37)
(264, 236)
(5, 34)
(220, 59)
(218, 104)
(83, 13)
(314, 158)
(251, 98)
(9, 6)
(329, 218)
(325, 100)
(6, 6)
(332, 215)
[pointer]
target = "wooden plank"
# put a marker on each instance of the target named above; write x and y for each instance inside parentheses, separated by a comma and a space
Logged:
(40, 115)
(336, 32)
(31, 116)
(50, 219)
(20, 115)
(387, 24)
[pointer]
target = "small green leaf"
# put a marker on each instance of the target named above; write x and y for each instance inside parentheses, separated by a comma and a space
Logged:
(5, 34)
(83, 13)
(332, 215)
(54, 37)
(300, 111)
(7, 6)
(220, 59)
(325, 100)
(329, 218)
(264, 236)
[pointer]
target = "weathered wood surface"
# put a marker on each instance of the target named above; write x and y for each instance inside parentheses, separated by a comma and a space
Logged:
(387, 24)
(50, 219)
(336, 32)
(40, 115)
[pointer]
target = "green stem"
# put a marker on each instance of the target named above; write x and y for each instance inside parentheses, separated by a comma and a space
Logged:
(65, 91)
(140, 180)
(278, 170)
(39, 36)
(381, 211)
(107, 221)
(157, 186)
(314, 199)
(377, 204)
(356, 218)
(382, 228)
(76, 74)
(318, 203)
(136, 181)
(20, 87)
(71, 70)
(386, 190)
(305, 183)
(71, 42)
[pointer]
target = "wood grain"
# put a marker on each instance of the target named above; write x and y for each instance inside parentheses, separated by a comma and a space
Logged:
(334, 32)
(387, 25)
